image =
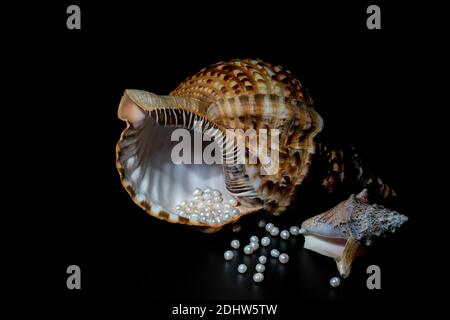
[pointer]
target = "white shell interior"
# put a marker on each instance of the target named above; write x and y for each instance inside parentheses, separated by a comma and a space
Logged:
(151, 171)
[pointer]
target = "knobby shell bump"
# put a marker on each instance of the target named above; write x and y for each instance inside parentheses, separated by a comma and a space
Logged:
(342, 231)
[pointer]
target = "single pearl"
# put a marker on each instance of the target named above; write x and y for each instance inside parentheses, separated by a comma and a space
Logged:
(200, 205)
(217, 199)
(261, 223)
(197, 192)
(207, 210)
(235, 244)
(226, 216)
(233, 202)
(294, 230)
(265, 241)
(235, 211)
(248, 249)
(191, 204)
(335, 282)
(242, 268)
(254, 245)
(217, 206)
(258, 277)
(236, 228)
(284, 234)
(274, 253)
(262, 259)
(178, 207)
(226, 206)
(183, 203)
(198, 198)
(188, 210)
(254, 239)
(274, 232)
(207, 196)
(260, 267)
(228, 255)
(269, 227)
(207, 189)
(203, 219)
(209, 203)
(216, 193)
(284, 258)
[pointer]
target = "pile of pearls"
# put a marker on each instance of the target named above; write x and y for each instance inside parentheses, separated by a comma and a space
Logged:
(208, 207)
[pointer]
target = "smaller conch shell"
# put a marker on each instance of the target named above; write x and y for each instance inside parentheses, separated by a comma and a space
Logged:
(341, 231)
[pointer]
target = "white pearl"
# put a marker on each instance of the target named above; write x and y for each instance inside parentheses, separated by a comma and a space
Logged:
(233, 202)
(236, 228)
(226, 217)
(203, 219)
(181, 213)
(254, 245)
(235, 211)
(242, 268)
(284, 234)
(284, 258)
(197, 192)
(216, 193)
(207, 189)
(218, 199)
(265, 241)
(274, 253)
(294, 230)
(217, 206)
(254, 239)
(178, 208)
(335, 282)
(183, 203)
(258, 277)
(198, 198)
(261, 223)
(207, 210)
(248, 249)
(228, 255)
(194, 217)
(207, 196)
(260, 267)
(191, 204)
(262, 259)
(235, 244)
(269, 227)
(200, 205)
(226, 206)
(274, 232)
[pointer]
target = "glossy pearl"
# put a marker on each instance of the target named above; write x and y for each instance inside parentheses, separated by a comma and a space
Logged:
(254, 239)
(197, 192)
(216, 193)
(233, 202)
(228, 255)
(265, 241)
(269, 227)
(335, 282)
(235, 244)
(207, 196)
(242, 268)
(284, 234)
(235, 211)
(274, 253)
(274, 232)
(248, 249)
(260, 267)
(284, 258)
(262, 259)
(258, 277)
(254, 245)
(207, 189)
(294, 230)
(261, 223)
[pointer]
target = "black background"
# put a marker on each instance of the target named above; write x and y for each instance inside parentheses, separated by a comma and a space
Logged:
(368, 85)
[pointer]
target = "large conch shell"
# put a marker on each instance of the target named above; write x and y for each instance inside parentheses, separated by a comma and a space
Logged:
(238, 94)
(342, 231)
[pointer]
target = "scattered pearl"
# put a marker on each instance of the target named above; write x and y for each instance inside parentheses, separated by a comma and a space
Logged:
(228, 255)
(284, 234)
(284, 258)
(335, 282)
(254, 245)
(254, 239)
(258, 277)
(260, 267)
(265, 241)
(274, 253)
(233, 202)
(197, 192)
(235, 244)
(236, 228)
(248, 249)
(269, 227)
(261, 223)
(262, 259)
(294, 230)
(274, 232)
(242, 268)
